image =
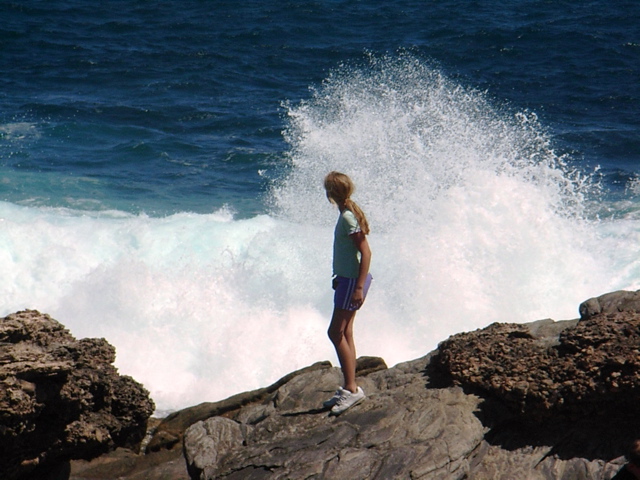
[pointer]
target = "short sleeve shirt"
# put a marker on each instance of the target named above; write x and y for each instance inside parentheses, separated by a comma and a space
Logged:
(346, 257)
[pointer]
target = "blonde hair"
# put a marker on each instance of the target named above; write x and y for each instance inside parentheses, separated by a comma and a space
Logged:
(339, 189)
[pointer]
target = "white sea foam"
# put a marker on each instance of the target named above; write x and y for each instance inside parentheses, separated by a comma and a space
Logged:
(474, 220)
(17, 131)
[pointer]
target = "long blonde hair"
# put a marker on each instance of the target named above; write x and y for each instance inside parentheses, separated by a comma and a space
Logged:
(339, 189)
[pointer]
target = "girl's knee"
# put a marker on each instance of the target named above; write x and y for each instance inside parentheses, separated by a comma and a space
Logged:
(335, 335)
(341, 323)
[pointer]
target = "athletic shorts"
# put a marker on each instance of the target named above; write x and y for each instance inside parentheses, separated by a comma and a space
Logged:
(344, 288)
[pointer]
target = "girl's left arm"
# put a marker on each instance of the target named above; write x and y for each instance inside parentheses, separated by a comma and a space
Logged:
(361, 243)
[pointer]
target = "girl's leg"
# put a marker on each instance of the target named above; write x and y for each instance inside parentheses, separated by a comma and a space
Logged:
(348, 335)
(341, 335)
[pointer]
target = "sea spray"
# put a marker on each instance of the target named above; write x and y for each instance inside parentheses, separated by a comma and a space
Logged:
(474, 219)
(410, 134)
(199, 307)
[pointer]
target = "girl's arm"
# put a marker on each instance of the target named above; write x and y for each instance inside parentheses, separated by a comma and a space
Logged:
(361, 243)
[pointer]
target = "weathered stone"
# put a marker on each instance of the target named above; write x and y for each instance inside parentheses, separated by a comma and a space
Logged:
(172, 428)
(390, 435)
(206, 441)
(539, 401)
(175, 424)
(593, 367)
(614, 302)
(61, 398)
(546, 400)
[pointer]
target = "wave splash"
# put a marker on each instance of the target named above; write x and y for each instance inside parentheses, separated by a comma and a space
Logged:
(410, 136)
(474, 217)
(474, 220)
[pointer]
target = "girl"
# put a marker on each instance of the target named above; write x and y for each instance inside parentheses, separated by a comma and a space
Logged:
(351, 260)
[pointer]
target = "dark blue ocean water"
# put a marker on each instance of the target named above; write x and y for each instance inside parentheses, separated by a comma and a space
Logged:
(177, 106)
(161, 167)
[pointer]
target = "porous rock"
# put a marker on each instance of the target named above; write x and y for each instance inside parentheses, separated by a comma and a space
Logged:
(61, 398)
(593, 368)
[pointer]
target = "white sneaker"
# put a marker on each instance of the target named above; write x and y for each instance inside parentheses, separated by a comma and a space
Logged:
(333, 400)
(347, 400)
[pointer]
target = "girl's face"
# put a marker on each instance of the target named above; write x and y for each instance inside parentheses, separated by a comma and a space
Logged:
(331, 200)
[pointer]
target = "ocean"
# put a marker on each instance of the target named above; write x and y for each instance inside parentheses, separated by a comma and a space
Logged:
(161, 171)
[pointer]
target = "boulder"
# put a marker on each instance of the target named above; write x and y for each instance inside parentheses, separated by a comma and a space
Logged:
(592, 369)
(614, 302)
(61, 398)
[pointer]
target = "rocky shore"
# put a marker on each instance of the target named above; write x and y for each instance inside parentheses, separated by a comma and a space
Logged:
(544, 400)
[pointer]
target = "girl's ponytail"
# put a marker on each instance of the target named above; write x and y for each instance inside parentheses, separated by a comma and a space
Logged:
(359, 214)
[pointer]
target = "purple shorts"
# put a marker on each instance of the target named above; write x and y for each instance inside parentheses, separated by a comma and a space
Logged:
(344, 288)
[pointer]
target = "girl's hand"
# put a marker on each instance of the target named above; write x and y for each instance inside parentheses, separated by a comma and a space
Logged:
(357, 299)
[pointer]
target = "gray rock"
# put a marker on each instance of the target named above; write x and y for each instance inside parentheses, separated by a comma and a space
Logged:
(208, 440)
(614, 302)
(171, 429)
(547, 400)
(402, 430)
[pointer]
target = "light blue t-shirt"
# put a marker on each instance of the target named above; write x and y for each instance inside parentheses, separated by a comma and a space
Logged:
(346, 257)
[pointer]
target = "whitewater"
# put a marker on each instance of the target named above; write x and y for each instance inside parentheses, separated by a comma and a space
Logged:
(474, 217)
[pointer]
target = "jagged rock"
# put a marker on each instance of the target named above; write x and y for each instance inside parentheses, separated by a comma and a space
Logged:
(288, 435)
(545, 400)
(61, 398)
(404, 429)
(170, 431)
(593, 368)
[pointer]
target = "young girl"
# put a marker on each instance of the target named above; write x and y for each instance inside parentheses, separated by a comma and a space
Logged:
(351, 260)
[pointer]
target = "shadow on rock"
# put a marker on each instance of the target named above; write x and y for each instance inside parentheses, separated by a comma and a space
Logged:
(572, 385)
